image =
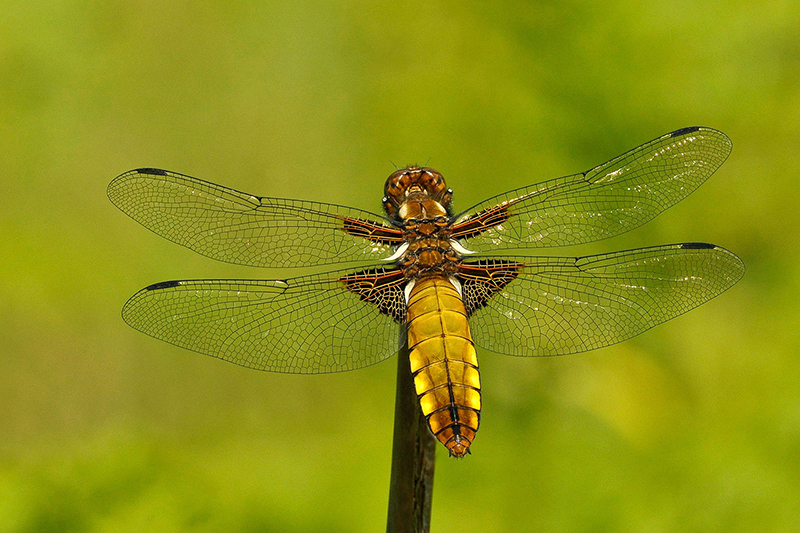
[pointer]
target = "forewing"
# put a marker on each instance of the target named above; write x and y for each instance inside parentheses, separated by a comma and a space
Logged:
(241, 228)
(605, 201)
(306, 325)
(535, 306)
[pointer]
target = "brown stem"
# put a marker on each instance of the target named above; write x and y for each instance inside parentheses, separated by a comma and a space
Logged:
(413, 458)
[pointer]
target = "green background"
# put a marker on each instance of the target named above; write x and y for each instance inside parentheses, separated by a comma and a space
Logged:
(693, 426)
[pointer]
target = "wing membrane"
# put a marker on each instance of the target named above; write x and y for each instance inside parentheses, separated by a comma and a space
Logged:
(607, 200)
(240, 228)
(556, 306)
(306, 325)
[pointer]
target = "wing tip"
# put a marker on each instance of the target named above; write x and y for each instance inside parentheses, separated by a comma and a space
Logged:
(682, 132)
(150, 170)
(685, 131)
(738, 267)
(116, 186)
(697, 246)
(162, 285)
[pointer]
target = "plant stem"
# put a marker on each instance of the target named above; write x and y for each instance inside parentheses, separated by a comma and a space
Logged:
(413, 457)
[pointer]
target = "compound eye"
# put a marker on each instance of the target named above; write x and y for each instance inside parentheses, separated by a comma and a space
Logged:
(395, 186)
(433, 182)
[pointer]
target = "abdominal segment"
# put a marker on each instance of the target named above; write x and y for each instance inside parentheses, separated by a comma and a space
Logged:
(444, 363)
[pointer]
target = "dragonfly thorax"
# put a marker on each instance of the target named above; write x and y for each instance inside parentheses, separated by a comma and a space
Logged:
(418, 199)
(429, 256)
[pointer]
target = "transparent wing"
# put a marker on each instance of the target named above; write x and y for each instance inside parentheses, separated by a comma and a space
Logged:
(555, 306)
(605, 201)
(306, 325)
(240, 228)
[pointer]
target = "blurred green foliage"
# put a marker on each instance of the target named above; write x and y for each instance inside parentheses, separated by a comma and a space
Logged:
(693, 426)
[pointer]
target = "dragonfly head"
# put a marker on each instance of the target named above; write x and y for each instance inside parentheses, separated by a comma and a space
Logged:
(415, 184)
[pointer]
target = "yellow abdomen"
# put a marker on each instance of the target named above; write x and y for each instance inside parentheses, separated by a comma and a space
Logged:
(444, 363)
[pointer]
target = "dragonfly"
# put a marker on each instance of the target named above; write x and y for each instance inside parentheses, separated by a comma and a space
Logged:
(423, 273)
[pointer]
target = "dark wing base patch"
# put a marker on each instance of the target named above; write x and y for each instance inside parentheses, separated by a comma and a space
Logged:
(482, 221)
(480, 280)
(382, 287)
(373, 232)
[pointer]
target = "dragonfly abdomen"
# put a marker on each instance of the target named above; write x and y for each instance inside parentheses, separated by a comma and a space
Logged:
(444, 363)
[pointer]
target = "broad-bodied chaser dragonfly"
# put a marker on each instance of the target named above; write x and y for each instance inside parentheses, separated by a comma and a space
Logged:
(428, 273)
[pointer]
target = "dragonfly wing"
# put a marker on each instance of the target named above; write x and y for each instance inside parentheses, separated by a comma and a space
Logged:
(536, 306)
(306, 325)
(607, 200)
(241, 228)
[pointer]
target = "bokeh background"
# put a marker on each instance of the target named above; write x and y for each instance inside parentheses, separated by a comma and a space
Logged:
(693, 426)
